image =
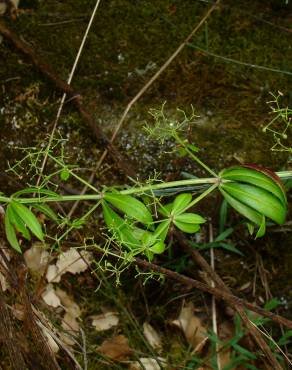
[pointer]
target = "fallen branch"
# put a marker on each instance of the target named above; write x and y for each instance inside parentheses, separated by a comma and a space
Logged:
(196, 256)
(217, 292)
(76, 99)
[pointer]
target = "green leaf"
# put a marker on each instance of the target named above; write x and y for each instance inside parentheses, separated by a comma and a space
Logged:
(119, 227)
(187, 227)
(190, 218)
(257, 178)
(17, 222)
(148, 238)
(158, 247)
(130, 206)
(230, 247)
(180, 203)
(29, 219)
(46, 210)
(250, 227)
(166, 209)
(193, 148)
(38, 191)
(223, 215)
(224, 234)
(162, 230)
(272, 304)
(262, 229)
(10, 234)
(259, 199)
(241, 208)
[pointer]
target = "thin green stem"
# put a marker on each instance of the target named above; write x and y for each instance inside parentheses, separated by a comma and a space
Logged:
(83, 218)
(171, 184)
(201, 196)
(195, 158)
(138, 190)
(84, 182)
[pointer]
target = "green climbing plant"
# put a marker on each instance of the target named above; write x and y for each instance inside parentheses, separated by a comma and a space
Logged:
(138, 217)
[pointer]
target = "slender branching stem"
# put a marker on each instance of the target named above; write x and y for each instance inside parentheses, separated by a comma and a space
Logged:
(215, 181)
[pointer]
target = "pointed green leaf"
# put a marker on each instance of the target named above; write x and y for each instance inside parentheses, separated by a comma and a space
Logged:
(10, 234)
(230, 247)
(46, 210)
(223, 215)
(224, 234)
(29, 219)
(166, 209)
(250, 227)
(38, 191)
(17, 222)
(180, 203)
(158, 247)
(190, 218)
(241, 208)
(119, 227)
(193, 148)
(162, 230)
(262, 229)
(148, 238)
(257, 178)
(130, 206)
(259, 199)
(186, 227)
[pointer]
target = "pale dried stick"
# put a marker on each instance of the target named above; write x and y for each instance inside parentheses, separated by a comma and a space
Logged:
(65, 95)
(213, 304)
(142, 91)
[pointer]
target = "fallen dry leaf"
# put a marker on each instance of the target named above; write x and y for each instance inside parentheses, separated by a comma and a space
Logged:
(148, 364)
(116, 348)
(53, 275)
(50, 296)
(37, 258)
(192, 327)
(105, 320)
(51, 342)
(3, 282)
(73, 261)
(18, 311)
(152, 336)
(70, 323)
(70, 306)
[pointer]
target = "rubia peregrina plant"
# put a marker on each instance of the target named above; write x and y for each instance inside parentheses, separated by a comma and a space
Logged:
(253, 191)
(137, 217)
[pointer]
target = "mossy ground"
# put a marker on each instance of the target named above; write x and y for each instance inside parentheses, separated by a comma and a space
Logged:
(128, 42)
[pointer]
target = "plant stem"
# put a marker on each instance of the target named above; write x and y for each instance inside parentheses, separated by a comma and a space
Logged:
(137, 190)
(192, 155)
(171, 184)
(201, 196)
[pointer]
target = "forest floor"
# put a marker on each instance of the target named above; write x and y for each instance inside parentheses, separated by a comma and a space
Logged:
(121, 316)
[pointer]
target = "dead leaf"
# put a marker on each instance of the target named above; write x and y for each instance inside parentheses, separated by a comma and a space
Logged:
(152, 336)
(116, 348)
(192, 327)
(37, 258)
(70, 323)
(148, 364)
(51, 342)
(3, 282)
(105, 320)
(68, 303)
(73, 261)
(50, 296)
(18, 311)
(53, 275)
